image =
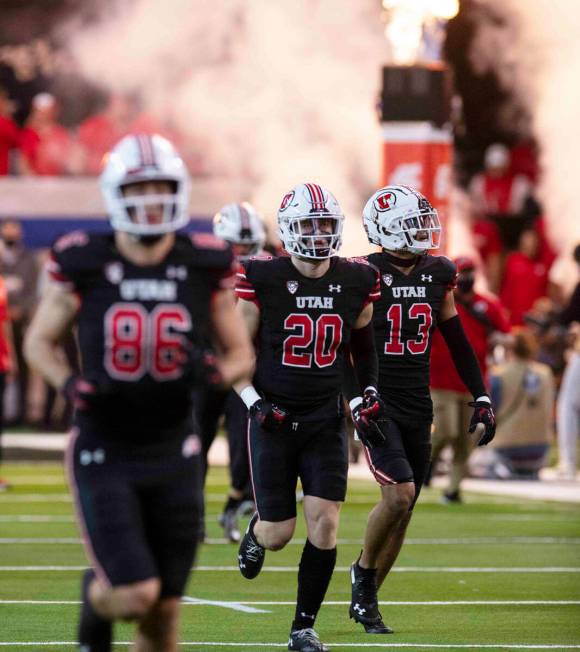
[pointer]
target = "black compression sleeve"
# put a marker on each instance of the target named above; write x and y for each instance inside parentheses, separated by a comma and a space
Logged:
(463, 356)
(364, 356)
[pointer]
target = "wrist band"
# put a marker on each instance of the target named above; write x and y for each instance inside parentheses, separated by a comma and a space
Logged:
(249, 395)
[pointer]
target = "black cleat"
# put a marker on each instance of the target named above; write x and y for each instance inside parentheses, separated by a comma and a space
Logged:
(229, 521)
(251, 554)
(364, 606)
(450, 498)
(95, 633)
(306, 640)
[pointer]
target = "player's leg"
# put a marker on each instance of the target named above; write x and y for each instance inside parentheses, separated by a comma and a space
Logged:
(417, 445)
(462, 444)
(323, 471)
(274, 474)
(159, 630)
(386, 527)
(568, 418)
(444, 421)
(236, 426)
(108, 511)
(171, 516)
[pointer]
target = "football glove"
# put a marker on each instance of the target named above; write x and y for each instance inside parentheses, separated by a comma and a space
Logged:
(482, 414)
(80, 392)
(200, 366)
(366, 414)
(271, 418)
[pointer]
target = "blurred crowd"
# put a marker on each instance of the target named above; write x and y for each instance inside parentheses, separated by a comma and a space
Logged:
(42, 146)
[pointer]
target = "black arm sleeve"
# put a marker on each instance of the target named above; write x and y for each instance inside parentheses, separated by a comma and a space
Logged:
(463, 356)
(364, 356)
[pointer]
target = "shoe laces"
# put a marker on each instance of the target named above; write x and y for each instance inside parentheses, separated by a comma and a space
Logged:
(254, 551)
(307, 635)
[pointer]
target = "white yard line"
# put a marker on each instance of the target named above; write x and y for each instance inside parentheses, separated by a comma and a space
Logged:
(236, 606)
(36, 518)
(339, 569)
(253, 644)
(409, 542)
(194, 602)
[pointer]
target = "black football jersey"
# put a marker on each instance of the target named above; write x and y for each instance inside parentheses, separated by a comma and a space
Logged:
(305, 324)
(136, 324)
(404, 319)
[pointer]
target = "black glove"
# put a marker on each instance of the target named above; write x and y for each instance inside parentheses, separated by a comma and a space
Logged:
(270, 417)
(200, 367)
(81, 393)
(366, 417)
(483, 413)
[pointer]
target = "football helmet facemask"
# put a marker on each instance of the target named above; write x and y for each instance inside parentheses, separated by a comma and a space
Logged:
(400, 218)
(310, 222)
(240, 225)
(139, 158)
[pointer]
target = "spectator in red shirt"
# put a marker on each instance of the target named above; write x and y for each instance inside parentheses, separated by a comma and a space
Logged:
(9, 132)
(98, 134)
(7, 365)
(482, 317)
(525, 278)
(487, 241)
(45, 144)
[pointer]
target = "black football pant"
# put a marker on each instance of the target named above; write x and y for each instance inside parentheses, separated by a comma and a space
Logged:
(210, 405)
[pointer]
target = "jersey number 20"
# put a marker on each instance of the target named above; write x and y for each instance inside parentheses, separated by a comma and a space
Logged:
(139, 342)
(326, 333)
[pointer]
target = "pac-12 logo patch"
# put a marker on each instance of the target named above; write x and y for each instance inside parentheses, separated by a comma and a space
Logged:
(292, 286)
(286, 200)
(388, 279)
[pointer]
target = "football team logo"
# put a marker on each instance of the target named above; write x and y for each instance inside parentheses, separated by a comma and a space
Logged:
(286, 201)
(114, 273)
(292, 286)
(388, 279)
(385, 201)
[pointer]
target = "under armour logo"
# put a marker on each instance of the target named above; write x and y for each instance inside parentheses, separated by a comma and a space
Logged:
(294, 425)
(97, 456)
(426, 277)
(359, 609)
(334, 288)
(240, 562)
(178, 272)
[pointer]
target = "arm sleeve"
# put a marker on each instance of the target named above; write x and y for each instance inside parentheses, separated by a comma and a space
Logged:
(364, 356)
(463, 356)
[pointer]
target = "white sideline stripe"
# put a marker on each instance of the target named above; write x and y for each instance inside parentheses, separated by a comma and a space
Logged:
(339, 569)
(296, 542)
(340, 603)
(445, 646)
(236, 606)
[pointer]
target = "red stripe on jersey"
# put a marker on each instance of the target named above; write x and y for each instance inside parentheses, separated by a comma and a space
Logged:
(381, 477)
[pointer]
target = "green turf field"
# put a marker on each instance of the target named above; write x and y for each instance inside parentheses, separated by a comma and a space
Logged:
(495, 573)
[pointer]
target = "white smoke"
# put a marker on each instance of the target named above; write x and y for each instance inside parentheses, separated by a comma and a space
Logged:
(278, 92)
(536, 53)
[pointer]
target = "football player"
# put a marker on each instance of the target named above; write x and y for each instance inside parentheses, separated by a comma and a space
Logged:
(143, 299)
(416, 297)
(241, 226)
(305, 309)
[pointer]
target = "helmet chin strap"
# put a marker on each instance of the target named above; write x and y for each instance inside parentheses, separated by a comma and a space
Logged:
(401, 262)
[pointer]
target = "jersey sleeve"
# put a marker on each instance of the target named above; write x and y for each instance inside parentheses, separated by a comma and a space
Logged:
(245, 289)
(68, 260)
(217, 257)
(448, 273)
(370, 280)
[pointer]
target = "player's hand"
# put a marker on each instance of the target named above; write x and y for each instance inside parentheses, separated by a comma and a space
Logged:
(483, 414)
(200, 367)
(80, 392)
(367, 411)
(271, 418)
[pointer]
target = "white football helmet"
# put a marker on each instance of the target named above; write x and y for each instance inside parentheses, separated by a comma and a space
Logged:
(310, 222)
(240, 225)
(137, 158)
(400, 218)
